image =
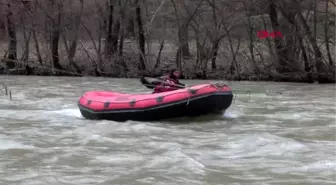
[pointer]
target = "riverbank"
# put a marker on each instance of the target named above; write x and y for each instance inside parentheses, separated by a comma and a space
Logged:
(86, 46)
(218, 74)
(243, 69)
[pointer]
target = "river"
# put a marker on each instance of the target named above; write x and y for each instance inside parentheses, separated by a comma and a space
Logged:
(263, 138)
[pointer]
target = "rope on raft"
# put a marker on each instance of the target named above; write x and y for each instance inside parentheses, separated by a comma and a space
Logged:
(219, 85)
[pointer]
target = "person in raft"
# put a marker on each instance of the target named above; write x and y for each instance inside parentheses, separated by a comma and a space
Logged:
(169, 82)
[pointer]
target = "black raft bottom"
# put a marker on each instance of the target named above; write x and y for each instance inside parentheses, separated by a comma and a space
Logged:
(196, 106)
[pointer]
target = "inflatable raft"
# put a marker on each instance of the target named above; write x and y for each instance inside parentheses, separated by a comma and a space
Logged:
(193, 101)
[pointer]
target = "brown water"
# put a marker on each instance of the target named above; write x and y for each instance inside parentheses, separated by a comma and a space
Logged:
(267, 138)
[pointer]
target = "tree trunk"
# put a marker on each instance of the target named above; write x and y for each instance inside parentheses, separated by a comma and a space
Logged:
(33, 30)
(115, 36)
(250, 30)
(55, 37)
(130, 27)
(184, 41)
(121, 29)
(215, 45)
(25, 55)
(214, 51)
(281, 49)
(74, 39)
(109, 45)
(183, 35)
(307, 65)
(121, 41)
(158, 59)
(292, 32)
(26, 32)
(326, 34)
(12, 44)
(141, 36)
(112, 34)
(320, 65)
(37, 47)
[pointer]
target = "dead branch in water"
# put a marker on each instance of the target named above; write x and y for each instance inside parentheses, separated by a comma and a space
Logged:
(6, 90)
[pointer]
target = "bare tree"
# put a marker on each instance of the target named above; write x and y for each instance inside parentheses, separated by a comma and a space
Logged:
(183, 51)
(56, 7)
(11, 31)
(26, 31)
(112, 31)
(71, 48)
(326, 33)
(223, 33)
(141, 36)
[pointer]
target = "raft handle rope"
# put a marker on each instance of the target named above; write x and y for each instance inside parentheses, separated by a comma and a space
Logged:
(6, 90)
(177, 86)
(219, 85)
(119, 102)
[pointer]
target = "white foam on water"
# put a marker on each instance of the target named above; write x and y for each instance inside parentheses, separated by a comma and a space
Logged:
(323, 165)
(260, 145)
(230, 115)
(327, 167)
(75, 112)
(176, 161)
(98, 139)
(119, 159)
(28, 174)
(287, 115)
(31, 115)
(9, 144)
(81, 179)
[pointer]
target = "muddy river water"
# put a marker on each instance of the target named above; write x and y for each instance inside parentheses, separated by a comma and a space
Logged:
(264, 138)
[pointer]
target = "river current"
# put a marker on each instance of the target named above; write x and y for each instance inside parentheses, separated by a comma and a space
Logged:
(280, 133)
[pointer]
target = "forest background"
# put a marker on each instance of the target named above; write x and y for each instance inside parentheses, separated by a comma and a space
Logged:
(205, 39)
